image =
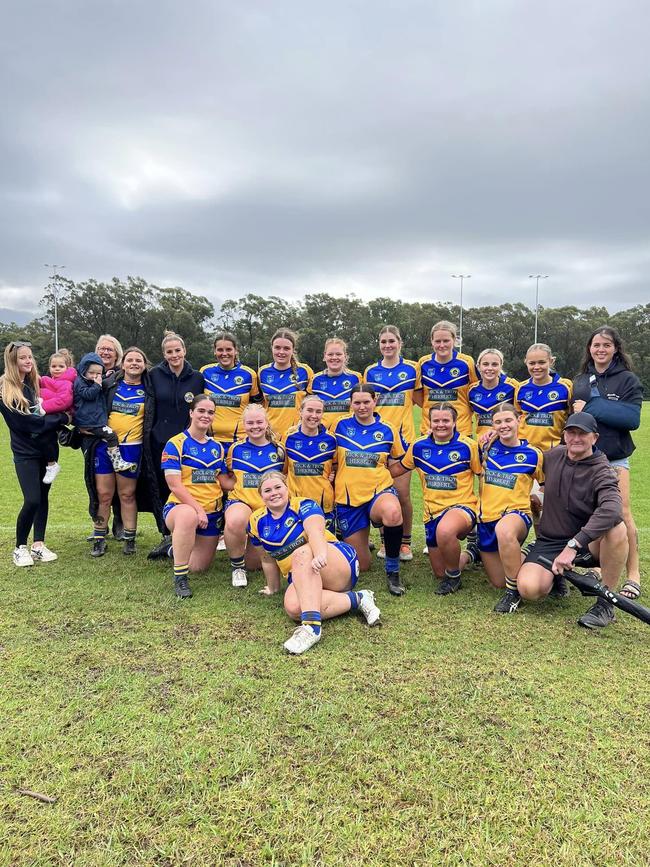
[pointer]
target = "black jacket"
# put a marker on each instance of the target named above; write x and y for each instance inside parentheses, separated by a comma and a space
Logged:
(173, 395)
(32, 436)
(614, 398)
(147, 492)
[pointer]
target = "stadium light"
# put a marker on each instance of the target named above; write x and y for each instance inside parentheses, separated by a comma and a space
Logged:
(462, 278)
(55, 277)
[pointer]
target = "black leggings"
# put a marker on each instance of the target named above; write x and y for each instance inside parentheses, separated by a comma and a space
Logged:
(35, 508)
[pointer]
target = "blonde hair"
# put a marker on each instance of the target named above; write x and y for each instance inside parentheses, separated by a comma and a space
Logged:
(271, 474)
(269, 432)
(115, 343)
(292, 337)
(541, 347)
(66, 355)
(339, 340)
(11, 385)
(170, 337)
(444, 325)
(485, 352)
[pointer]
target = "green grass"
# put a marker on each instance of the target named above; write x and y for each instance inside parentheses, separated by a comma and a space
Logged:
(176, 733)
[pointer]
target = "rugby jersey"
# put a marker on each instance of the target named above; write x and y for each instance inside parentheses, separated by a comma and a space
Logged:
(282, 391)
(447, 381)
(446, 472)
(231, 390)
(126, 416)
(280, 537)
(362, 453)
(394, 387)
(508, 475)
(334, 391)
(248, 463)
(483, 400)
(545, 409)
(199, 464)
(308, 465)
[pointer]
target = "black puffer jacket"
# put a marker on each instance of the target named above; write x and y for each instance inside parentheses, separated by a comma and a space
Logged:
(147, 493)
(614, 398)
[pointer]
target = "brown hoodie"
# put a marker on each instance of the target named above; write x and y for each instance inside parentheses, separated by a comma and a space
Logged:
(581, 498)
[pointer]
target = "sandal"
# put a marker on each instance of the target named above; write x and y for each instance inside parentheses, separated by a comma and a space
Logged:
(631, 590)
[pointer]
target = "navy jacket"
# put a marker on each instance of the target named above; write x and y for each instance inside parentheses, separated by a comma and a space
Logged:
(32, 436)
(172, 396)
(89, 398)
(614, 398)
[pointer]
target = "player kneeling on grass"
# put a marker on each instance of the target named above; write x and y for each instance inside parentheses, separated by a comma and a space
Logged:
(446, 463)
(510, 465)
(582, 520)
(320, 570)
(196, 476)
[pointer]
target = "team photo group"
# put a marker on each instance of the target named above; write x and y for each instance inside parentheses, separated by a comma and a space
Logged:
(288, 470)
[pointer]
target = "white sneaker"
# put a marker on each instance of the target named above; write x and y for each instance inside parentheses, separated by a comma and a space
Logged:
(381, 552)
(425, 550)
(302, 639)
(22, 557)
(51, 473)
(222, 544)
(43, 555)
(368, 608)
(239, 578)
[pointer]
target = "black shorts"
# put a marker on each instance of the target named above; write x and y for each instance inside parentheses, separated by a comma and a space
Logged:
(550, 548)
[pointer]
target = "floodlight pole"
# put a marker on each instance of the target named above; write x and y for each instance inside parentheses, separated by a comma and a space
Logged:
(537, 278)
(55, 277)
(462, 278)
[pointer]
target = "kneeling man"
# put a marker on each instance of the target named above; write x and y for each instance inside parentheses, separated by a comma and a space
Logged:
(583, 515)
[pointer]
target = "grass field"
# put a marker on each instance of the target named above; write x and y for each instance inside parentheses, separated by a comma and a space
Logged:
(181, 734)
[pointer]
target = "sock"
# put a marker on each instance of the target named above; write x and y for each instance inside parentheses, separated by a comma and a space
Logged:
(392, 542)
(237, 562)
(511, 584)
(391, 564)
(129, 535)
(406, 540)
(452, 573)
(471, 537)
(355, 599)
(313, 619)
(181, 571)
(100, 532)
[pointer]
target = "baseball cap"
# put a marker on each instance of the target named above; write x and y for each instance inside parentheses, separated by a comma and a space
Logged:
(582, 420)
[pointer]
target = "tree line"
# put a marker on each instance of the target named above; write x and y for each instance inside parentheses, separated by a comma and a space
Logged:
(138, 313)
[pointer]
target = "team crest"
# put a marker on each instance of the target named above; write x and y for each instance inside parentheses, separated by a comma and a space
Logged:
(193, 451)
(528, 395)
(349, 431)
(454, 456)
(140, 392)
(346, 383)
(454, 371)
(270, 377)
(402, 375)
(478, 398)
(247, 454)
(520, 458)
(239, 380)
(266, 532)
(322, 447)
(379, 376)
(188, 396)
(290, 521)
(501, 395)
(299, 444)
(378, 435)
(273, 456)
(553, 395)
(426, 454)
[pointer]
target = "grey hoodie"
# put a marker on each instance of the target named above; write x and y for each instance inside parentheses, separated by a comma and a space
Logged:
(581, 498)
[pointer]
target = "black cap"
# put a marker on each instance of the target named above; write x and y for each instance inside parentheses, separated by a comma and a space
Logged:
(582, 420)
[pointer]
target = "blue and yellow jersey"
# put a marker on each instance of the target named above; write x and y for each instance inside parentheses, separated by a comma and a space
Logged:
(334, 391)
(508, 475)
(231, 390)
(446, 472)
(545, 409)
(448, 381)
(483, 400)
(248, 463)
(283, 391)
(126, 416)
(198, 464)
(362, 453)
(280, 537)
(308, 465)
(394, 387)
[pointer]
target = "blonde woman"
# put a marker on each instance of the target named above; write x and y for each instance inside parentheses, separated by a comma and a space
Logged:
(446, 377)
(334, 384)
(32, 438)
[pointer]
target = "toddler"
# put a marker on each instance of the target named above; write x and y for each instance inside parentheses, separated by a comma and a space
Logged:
(56, 396)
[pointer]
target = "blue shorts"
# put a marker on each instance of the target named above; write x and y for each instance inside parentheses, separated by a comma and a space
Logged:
(624, 463)
(351, 519)
(487, 531)
(431, 527)
(131, 452)
(350, 555)
(215, 521)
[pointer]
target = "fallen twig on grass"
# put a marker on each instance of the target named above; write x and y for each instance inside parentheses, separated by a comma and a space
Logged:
(46, 799)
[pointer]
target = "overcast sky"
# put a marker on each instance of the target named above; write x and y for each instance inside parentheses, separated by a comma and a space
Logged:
(370, 147)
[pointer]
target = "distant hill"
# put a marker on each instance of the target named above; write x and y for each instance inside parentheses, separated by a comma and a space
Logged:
(20, 317)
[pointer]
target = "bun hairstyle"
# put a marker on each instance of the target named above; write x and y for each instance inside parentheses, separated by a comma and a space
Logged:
(65, 354)
(292, 337)
(171, 337)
